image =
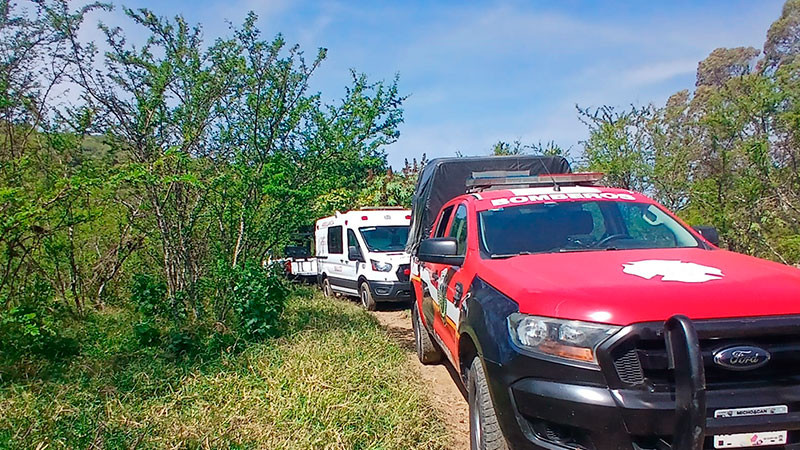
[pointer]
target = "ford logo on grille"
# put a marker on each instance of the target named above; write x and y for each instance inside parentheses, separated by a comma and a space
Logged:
(743, 357)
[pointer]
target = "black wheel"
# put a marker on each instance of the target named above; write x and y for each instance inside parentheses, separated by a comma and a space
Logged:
(366, 297)
(484, 431)
(427, 351)
(326, 288)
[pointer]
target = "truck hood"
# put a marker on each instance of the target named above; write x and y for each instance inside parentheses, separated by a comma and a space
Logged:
(626, 286)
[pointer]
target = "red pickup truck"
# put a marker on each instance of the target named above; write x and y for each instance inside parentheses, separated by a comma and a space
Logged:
(585, 317)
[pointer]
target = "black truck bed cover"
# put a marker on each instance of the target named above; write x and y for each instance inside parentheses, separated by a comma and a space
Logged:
(443, 179)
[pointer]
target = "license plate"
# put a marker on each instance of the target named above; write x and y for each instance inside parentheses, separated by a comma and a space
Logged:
(741, 440)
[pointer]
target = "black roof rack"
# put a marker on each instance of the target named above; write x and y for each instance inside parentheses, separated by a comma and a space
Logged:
(489, 180)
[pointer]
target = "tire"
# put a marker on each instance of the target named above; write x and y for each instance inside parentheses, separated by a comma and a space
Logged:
(366, 297)
(427, 351)
(326, 288)
(484, 431)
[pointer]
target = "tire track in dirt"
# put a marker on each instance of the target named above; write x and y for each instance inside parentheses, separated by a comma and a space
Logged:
(444, 389)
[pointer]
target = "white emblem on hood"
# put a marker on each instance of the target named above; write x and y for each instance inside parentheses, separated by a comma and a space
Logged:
(685, 272)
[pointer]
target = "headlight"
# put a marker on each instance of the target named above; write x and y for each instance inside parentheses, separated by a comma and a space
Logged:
(380, 266)
(565, 339)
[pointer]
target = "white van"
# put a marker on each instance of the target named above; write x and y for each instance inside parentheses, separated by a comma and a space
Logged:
(362, 253)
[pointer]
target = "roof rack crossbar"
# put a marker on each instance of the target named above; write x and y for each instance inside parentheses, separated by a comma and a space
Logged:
(478, 183)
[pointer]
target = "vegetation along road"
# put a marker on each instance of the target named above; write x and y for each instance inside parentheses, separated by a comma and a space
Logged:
(333, 379)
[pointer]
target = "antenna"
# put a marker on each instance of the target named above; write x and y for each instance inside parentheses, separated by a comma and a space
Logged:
(556, 187)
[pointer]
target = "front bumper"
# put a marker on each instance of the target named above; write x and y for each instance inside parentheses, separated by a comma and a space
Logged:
(390, 291)
(546, 414)
(547, 405)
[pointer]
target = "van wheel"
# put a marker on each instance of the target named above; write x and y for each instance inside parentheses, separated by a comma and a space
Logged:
(366, 297)
(484, 431)
(427, 351)
(326, 288)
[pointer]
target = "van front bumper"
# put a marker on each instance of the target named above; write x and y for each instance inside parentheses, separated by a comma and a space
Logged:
(390, 291)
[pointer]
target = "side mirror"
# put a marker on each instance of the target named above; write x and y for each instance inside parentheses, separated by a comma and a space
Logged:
(710, 233)
(354, 254)
(440, 251)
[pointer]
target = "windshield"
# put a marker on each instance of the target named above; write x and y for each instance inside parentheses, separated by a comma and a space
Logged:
(385, 239)
(579, 226)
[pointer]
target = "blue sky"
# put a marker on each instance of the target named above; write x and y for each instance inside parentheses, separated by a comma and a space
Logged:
(479, 72)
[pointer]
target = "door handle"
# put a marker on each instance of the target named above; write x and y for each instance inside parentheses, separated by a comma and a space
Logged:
(458, 294)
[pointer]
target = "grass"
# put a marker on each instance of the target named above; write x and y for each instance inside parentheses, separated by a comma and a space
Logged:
(333, 381)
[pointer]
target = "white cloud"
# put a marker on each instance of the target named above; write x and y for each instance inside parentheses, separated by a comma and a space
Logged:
(661, 71)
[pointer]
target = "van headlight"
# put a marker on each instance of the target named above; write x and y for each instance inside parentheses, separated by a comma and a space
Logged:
(570, 340)
(380, 266)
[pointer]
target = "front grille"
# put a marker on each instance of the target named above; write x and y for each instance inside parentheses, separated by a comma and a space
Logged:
(640, 358)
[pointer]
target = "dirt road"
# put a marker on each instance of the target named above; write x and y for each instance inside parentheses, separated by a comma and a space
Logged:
(444, 391)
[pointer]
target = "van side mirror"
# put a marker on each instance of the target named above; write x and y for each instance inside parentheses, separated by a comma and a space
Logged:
(440, 251)
(710, 233)
(354, 254)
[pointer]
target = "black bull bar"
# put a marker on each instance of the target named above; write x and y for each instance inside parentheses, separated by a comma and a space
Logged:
(686, 361)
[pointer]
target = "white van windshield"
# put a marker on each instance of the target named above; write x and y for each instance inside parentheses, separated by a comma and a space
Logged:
(386, 238)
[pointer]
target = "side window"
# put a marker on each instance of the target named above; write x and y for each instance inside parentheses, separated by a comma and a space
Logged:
(351, 240)
(335, 240)
(458, 229)
(441, 227)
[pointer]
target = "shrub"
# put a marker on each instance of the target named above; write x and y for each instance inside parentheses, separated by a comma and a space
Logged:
(182, 343)
(148, 294)
(259, 298)
(147, 333)
(32, 327)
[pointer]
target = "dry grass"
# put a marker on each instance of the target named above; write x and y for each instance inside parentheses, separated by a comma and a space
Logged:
(334, 381)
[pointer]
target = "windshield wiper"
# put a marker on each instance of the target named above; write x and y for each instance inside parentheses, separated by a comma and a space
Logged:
(590, 249)
(508, 255)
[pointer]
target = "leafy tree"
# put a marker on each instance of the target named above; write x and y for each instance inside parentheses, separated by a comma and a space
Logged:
(52, 190)
(783, 38)
(725, 63)
(619, 146)
(392, 188)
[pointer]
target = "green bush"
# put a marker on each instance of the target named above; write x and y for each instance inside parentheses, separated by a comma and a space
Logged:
(32, 326)
(182, 343)
(259, 298)
(148, 294)
(147, 333)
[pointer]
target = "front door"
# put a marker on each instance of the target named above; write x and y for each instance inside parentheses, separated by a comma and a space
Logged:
(443, 285)
(336, 262)
(350, 267)
(451, 285)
